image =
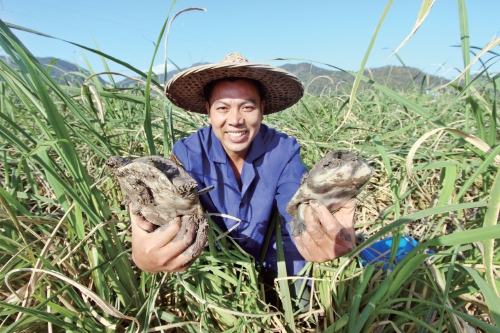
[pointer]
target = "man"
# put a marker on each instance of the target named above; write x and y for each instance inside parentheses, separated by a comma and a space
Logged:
(253, 168)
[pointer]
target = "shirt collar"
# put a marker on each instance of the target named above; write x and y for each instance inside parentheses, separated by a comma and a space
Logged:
(259, 144)
(215, 150)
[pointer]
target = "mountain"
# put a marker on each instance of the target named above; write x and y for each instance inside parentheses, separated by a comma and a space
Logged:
(316, 80)
(319, 80)
(159, 78)
(65, 72)
(62, 71)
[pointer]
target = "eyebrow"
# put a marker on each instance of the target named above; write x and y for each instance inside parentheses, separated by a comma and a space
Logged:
(251, 100)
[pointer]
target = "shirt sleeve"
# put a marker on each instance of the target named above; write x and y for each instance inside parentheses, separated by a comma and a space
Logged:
(180, 151)
(289, 181)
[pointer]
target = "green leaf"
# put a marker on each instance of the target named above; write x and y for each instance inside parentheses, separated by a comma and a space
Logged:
(424, 11)
(489, 294)
(282, 275)
(448, 184)
(41, 315)
(354, 310)
(491, 219)
(367, 54)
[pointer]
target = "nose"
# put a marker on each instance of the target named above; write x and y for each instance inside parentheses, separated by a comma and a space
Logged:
(234, 117)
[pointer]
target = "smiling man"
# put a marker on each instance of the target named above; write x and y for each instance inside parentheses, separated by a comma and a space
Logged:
(253, 168)
(235, 112)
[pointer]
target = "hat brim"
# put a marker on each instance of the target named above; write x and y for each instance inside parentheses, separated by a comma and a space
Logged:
(283, 89)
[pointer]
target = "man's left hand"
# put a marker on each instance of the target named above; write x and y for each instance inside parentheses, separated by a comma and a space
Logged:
(327, 236)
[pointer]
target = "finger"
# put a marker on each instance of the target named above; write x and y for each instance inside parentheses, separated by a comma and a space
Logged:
(173, 239)
(340, 239)
(345, 215)
(163, 235)
(141, 222)
(145, 245)
(326, 250)
(300, 242)
(201, 239)
(313, 226)
(186, 246)
(312, 250)
(155, 252)
(339, 227)
(199, 243)
(181, 263)
(321, 213)
(187, 230)
(351, 203)
(344, 241)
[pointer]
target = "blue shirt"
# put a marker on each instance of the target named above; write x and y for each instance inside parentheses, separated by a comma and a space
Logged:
(270, 177)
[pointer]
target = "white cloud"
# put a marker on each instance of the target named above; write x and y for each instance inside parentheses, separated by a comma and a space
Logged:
(159, 69)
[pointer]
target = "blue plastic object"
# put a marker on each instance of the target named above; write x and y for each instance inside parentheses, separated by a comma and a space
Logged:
(380, 251)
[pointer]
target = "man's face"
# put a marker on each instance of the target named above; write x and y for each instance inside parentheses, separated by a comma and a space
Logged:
(235, 112)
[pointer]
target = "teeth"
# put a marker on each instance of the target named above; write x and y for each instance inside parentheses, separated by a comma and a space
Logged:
(235, 134)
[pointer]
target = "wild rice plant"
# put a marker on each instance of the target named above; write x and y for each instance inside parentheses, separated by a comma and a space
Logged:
(65, 242)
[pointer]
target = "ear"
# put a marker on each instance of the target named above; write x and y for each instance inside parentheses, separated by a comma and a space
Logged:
(207, 106)
(262, 107)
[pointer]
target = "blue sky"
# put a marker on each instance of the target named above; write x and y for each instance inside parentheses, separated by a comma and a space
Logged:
(328, 31)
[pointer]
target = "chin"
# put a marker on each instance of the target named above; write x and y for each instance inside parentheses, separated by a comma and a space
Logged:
(237, 148)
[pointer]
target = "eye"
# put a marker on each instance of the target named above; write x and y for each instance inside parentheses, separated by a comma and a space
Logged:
(248, 107)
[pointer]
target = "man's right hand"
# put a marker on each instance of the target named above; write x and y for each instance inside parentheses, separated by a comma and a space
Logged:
(156, 250)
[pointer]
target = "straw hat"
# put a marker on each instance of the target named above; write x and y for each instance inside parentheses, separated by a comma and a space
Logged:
(283, 89)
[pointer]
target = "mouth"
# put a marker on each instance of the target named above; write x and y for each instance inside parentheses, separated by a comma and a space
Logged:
(235, 136)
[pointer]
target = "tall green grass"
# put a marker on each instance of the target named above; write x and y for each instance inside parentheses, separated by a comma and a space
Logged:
(65, 241)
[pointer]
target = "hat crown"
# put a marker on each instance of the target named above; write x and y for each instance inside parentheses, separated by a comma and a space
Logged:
(187, 88)
(235, 57)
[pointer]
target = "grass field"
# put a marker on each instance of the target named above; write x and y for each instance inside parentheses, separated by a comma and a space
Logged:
(65, 238)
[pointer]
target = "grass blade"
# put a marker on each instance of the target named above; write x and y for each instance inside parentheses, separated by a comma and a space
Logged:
(282, 275)
(422, 15)
(491, 219)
